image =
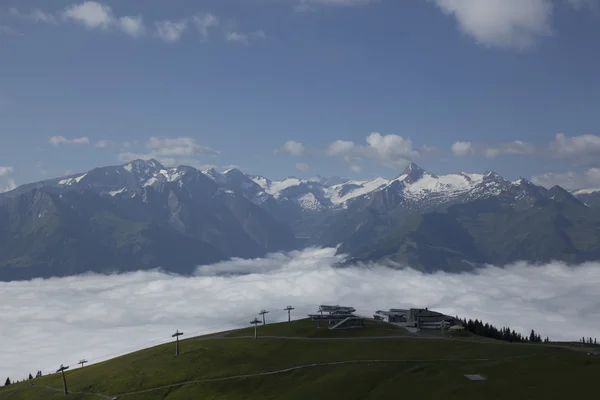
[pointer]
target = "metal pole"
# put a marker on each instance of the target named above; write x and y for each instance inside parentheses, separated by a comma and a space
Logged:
(289, 310)
(255, 322)
(62, 371)
(64, 383)
(176, 336)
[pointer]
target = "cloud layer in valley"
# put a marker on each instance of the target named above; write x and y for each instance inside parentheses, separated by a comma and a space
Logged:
(44, 323)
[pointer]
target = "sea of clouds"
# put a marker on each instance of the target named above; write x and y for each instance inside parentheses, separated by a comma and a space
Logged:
(45, 323)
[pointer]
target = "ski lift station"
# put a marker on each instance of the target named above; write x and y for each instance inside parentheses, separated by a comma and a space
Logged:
(337, 317)
(416, 317)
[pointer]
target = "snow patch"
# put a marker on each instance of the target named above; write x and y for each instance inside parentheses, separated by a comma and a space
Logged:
(309, 202)
(150, 182)
(450, 185)
(116, 192)
(586, 191)
(338, 195)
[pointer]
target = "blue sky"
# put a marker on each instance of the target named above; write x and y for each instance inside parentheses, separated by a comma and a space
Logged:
(355, 88)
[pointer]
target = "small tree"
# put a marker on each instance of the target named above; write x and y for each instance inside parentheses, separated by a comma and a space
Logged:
(30, 376)
(7, 382)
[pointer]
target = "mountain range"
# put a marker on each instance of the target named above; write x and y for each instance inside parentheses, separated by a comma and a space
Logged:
(142, 215)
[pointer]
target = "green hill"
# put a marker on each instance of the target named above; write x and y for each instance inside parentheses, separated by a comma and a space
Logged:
(317, 366)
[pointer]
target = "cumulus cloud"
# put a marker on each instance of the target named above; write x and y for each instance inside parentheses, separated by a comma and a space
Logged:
(94, 15)
(91, 14)
(390, 150)
(462, 148)
(170, 31)
(169, 151)
(583, 149)
(294, 148)
(57, 140)
(43, 327)
(340, 147)
(302, 167)
(7, 182)
(501, 23)
(133, 26)
(570, 180)
(204, 22)
(517, 147)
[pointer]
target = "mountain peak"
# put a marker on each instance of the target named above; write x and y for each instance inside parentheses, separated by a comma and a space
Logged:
(139, 164)
(413, 168)
(233, 171)
(412, 173)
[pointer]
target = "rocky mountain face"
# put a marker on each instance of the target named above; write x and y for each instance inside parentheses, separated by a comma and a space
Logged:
(136, 216)
(142, 215)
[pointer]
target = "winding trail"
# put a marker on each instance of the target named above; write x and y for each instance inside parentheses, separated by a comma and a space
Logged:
(281, 371)
(222, 336)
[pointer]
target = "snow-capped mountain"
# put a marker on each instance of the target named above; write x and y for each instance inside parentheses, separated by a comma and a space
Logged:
(144, 215)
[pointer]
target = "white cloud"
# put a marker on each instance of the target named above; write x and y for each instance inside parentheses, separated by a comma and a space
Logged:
(390, 150)
(461, 149)
(101, 144)
(133, 26)
(7, 182)
(517, 147)
(182, 146)
(340, 147)
(45, 327)
(56, 140)
(237, 37)
(570, 180)
(302, 167)
(245, 38)
(204, 22)
(502, 23)
(582, 149)
(91, 14)
(94, 15)
(169, 151)
(294, 148)
(35, 15)
(171, 31)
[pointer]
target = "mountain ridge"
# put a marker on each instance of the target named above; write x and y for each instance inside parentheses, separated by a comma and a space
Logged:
(420, 219)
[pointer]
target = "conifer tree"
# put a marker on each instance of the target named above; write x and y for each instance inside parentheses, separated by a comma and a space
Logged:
(7, 382)
(30, 376)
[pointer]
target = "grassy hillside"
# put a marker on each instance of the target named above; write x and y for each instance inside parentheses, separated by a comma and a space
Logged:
(375, 369)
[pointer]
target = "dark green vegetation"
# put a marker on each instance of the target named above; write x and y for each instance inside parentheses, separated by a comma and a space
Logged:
(306, 328)
(415, 368)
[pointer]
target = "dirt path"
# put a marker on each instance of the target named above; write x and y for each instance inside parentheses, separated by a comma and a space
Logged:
(281, 371)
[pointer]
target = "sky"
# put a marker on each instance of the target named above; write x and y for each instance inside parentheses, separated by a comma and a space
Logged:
(46, 323)
(354, 88)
